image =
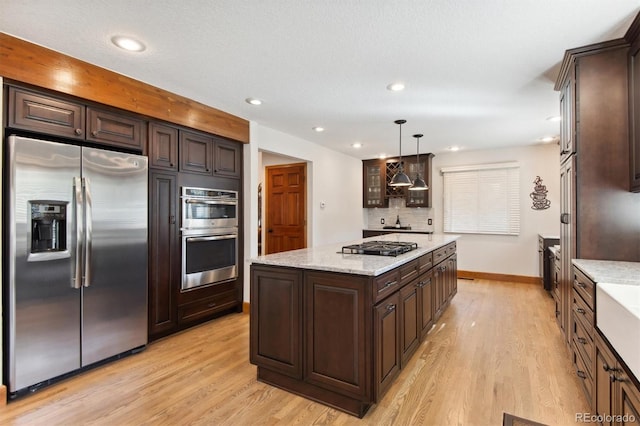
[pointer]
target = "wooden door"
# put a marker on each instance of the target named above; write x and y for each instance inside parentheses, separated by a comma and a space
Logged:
(286, 208)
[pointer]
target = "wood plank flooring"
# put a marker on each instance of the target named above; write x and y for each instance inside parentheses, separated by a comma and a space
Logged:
(497, 348)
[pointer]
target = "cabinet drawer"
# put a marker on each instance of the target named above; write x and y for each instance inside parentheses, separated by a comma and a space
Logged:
(583, 340)
(386, 284)
(425, 263)
(408, 272)
(40, 113)
(581, 371)
(439, 255)
(581, 312)
(201, 308)
(584, 286)
(450, 249)
(115, 129)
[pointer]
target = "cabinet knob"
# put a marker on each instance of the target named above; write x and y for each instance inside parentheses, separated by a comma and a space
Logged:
(581, 374)
(94, 133)
(582, 340)
(391, 307)
(78, 132)
(172, 220)
(170, 164)
(580, 311)
(615, 378)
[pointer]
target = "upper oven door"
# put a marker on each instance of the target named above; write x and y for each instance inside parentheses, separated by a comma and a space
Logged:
(209, 209)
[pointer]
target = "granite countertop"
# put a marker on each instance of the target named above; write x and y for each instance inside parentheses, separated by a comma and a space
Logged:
(609, 271)
(330, 257)
(549, 237)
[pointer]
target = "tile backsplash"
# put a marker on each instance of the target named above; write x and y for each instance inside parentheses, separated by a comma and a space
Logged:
(416, 217)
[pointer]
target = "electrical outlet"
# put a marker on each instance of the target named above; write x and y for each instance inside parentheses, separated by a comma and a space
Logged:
(429, 221)
(382, 221)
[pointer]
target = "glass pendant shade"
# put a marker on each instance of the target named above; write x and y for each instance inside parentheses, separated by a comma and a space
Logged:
(400, 178)
(418, 184)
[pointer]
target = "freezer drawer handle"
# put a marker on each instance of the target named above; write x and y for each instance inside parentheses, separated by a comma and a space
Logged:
(79, 246)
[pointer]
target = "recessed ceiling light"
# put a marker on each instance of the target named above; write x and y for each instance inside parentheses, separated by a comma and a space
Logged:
(454, 148)
(356, 145)
(395, 87)
(128, 43)
(548, 139)
(318, 129)
(253, 101)
(554, 118)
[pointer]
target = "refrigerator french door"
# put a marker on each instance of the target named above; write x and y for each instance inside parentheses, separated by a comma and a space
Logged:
(77, 258)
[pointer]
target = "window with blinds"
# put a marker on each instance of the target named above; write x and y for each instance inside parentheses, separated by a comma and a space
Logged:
(482, 199)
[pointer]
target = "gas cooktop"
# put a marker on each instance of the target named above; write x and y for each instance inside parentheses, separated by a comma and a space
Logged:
(380, 248)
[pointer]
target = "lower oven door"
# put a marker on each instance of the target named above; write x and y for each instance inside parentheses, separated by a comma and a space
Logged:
(208, 259)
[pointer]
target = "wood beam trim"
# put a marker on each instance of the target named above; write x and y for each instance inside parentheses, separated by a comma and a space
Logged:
(29, 63)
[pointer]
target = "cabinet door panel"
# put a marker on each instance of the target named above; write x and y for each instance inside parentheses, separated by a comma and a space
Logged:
(164, 268)
(410, 322)
(387, 343)
(336, 342)
(426, 303)
(163, 147)
(276, 318)
(227, 158)
(196, 153)
(116, 129)
(40, 113)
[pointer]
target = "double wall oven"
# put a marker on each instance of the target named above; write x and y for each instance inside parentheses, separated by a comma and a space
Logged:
(209, 228)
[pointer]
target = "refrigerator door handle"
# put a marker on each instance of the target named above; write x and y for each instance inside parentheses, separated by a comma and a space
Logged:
(86, 280)
(79, 244)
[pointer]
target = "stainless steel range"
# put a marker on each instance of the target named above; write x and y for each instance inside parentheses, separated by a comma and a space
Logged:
(380, 248)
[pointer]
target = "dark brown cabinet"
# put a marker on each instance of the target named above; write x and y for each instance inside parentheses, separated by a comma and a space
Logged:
(276, 313)
(44, 113)
(227, 158)
(196, 153)
(387, 331)
(164, 270)
(582, 330)
(377, 173)
(545, 260)
(410, 321)
(422, 168)
(593, 84)
(633, 35)
(208, 155)
(341, 338)
(374, 184)
(616, 392)
(116, 129)
(163, 147)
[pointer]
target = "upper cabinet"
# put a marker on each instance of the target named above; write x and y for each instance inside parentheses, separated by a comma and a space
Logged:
(44, 113)
(189, 151)
(376, 175)
(633, 36)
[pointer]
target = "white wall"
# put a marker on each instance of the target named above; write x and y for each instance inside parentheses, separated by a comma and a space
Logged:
(512, 255)
(333, 178)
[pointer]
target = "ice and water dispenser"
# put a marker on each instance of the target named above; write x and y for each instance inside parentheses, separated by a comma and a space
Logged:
(48, 226)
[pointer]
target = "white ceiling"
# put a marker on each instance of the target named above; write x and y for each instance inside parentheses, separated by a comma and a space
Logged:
(478, 73)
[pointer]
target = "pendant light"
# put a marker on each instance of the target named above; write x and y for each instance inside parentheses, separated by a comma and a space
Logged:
(400, 178)
(418, 184)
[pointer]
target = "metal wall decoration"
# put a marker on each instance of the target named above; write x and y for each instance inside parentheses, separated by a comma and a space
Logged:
(539, 195)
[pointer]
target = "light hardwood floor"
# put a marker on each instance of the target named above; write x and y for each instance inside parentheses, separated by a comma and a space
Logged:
(497, 348)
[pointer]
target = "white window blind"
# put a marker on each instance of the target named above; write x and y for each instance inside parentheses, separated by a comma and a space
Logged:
(482, 199)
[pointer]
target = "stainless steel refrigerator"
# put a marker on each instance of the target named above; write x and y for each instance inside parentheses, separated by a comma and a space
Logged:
(77, 258)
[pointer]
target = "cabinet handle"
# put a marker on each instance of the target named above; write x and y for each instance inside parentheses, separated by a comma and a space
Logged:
(94, 133)
(211, 305)
(564, 218)
(387, 285)
(172, 220)
(391, 307)
(581, 374)
(606, 367)
(582, 340)
(580, 284)
(420, 284)
(580, 311)
(78, 132)
(615, 378)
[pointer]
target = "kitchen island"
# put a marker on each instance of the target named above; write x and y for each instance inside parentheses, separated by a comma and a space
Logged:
(337, 328)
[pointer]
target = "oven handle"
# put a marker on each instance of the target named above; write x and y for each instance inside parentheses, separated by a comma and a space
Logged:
(213, 238)
(224, 202)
